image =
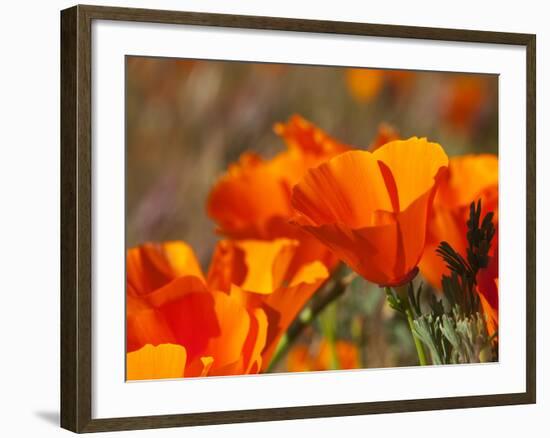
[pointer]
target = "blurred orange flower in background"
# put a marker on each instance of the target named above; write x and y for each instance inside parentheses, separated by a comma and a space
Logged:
(464, 100)
(366, 84)
(321, 357)
(226, 323)
(252, 199)
(372, 209)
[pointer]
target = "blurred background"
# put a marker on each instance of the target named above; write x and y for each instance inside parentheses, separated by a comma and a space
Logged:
(188, 119)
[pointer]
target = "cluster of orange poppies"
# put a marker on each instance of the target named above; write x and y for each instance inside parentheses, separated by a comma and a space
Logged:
(287, 223)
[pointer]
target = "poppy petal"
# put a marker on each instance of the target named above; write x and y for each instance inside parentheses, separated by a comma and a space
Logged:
(267, 263)
(347, 189)
(166, 361)
(414, 164)
(153, 265)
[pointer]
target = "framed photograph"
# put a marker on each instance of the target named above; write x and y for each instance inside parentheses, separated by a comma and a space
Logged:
(268, 218)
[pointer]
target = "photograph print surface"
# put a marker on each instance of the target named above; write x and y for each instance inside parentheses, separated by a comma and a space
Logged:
(296, 218)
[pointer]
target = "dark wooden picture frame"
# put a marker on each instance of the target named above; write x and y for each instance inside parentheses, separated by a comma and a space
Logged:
(76, 225)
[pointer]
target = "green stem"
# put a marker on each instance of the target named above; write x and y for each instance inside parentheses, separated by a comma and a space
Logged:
(417, 342)
(399, 301)
(328, 328)
(280, 351)
(336, 288)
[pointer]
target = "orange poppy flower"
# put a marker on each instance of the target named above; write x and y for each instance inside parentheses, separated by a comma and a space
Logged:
(304, 358)
(238, 201)
(302, 135)
(252, 199)
(261, 273)
(470, 177)
(371, 209)
(221, 320)
(168, 302)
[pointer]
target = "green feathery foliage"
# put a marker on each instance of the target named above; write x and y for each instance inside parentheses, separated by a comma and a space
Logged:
(454, 329)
